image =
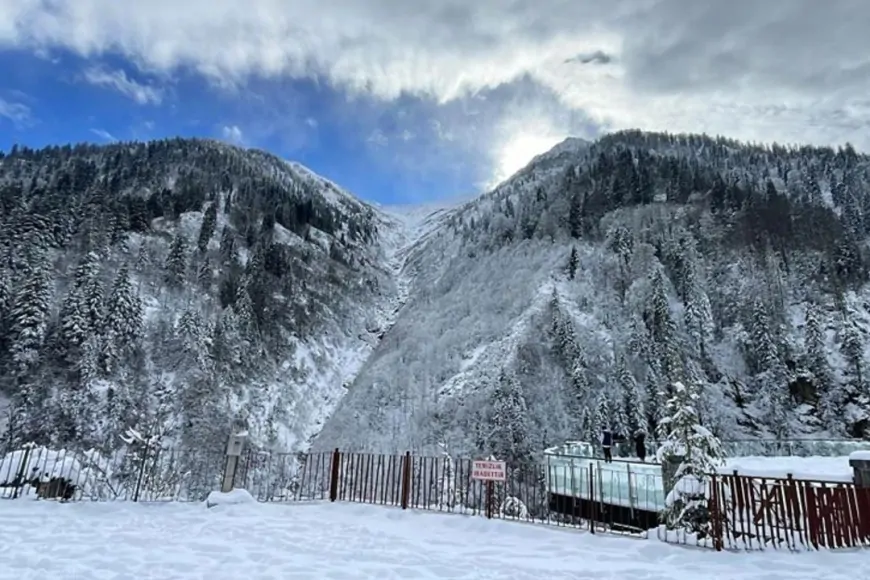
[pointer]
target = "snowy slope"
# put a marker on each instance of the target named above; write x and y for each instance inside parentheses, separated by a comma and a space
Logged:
(483, 283)
(258, 542)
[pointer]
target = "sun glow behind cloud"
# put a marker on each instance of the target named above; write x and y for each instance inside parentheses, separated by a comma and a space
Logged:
(517, 141)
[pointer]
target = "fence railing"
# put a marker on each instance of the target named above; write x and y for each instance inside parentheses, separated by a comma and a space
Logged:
(745, 512)
(755, 513)
(736, 448)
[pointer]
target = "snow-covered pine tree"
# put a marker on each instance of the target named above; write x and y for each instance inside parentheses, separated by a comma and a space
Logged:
(772, 397)
(698, 316)
(206, 230)
(124, 311)
(699, 452)
(663, 329)
(573, 263)
(81, 311)
(176, 262)
(601, 419)
(509, 434)
(817, 363)
(853, 394)
(579, 384)
(633, 407)
(30, 311)
(227, 251)
(88, 281)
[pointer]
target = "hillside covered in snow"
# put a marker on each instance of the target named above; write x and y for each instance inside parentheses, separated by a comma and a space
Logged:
(185, 287)
(576, 292)
(180, 287)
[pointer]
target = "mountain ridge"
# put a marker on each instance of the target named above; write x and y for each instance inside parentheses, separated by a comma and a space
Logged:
(549, 299)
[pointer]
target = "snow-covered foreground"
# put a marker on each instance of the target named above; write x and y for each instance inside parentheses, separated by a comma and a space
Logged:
(344, 541)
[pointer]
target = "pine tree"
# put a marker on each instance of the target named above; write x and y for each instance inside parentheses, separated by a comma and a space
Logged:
(206, 230)
(573, 263)
(29, 314)
(88, 280)
(204, 274)
(123, 324)
(663, 330)
(176, 262)
(771, 385)
(509, 437)
(699, 452)
(632, 404)
(817, 364)
(602, 418)
(227, 246)
(699, 320)
(854, 392)
(82, 311)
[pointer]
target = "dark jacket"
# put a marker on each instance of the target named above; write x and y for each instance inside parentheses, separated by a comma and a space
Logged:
(606, 439)
(640, 444)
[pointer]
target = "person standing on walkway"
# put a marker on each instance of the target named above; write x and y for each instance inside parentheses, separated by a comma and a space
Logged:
(640, 445)
(607, 444)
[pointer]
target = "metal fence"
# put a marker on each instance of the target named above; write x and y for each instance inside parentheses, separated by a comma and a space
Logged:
(593, 500)
(746, 513)
(756, 513)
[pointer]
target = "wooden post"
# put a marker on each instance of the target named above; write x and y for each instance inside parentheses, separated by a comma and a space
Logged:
(717, 513)
(334, 474)
(234, 450)
(406, 480)
(489, 498)
(591, 498)
(22, 469)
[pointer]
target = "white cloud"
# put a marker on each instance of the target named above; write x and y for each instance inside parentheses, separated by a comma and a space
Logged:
(118, 80)
(233, 134)
(377, 138)
(18, 113)
(774, 69)
(103, 134)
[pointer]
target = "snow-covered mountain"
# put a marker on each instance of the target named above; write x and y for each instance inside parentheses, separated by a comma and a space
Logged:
(185, 286)
(582, 287)
(180, 287)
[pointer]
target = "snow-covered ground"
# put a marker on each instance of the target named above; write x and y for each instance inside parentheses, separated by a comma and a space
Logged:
(171, 541)
(818, 468)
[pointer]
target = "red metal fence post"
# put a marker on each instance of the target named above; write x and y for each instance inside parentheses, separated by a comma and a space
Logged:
(335, 475)
(406, 479)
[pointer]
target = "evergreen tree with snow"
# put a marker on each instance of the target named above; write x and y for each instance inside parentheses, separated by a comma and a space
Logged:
(633, 412)
(206, 230)
(853, 395)
(772, 396)
(176, 262)
(82, 310)
(30, 311)
(601, 419)
(663, 329)
(509, 434)
(123, 323)
(817, 363)
(573, 263)
(124, 310)
(699, 453)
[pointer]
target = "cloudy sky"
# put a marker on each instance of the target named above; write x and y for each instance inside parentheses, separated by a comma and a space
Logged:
(411, 100)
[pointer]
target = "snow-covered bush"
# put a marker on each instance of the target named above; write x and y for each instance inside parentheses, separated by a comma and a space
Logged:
(513, 507)
(699, 453)
(89, 472)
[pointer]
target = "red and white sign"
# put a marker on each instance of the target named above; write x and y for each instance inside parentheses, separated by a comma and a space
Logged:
(486, 470)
